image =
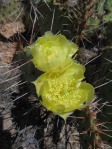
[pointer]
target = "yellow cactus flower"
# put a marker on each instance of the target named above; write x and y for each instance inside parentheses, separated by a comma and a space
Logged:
(72, 70)
(62, 98)
(62, 91)
(60, 87)
(51, 51)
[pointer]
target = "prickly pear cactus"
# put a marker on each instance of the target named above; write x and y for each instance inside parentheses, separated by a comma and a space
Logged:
(10, 10)
(11, 13)
(87, 17)
(101, 12)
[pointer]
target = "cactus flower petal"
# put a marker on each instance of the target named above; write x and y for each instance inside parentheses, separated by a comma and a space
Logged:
(50, 51)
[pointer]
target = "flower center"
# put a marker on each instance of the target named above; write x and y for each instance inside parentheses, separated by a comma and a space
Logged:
(50, 52)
